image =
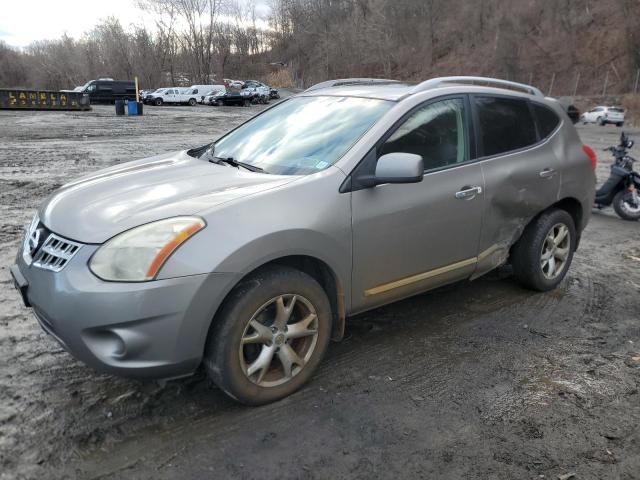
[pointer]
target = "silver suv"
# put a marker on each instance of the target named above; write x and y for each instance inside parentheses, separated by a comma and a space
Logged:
(245, 256)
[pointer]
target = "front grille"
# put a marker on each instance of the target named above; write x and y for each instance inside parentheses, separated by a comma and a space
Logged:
(55, 253)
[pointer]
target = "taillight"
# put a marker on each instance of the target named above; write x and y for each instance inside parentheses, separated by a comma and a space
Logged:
(591, 154)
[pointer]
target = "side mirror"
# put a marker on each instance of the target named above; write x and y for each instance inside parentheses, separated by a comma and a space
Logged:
(399, 167)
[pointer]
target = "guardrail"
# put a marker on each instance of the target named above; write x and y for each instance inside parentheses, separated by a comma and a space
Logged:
(20, 99)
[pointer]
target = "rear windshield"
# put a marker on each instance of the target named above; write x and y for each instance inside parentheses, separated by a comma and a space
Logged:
(616, 109)
(302, 135)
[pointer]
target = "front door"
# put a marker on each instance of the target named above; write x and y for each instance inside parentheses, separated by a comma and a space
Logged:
(409, 238)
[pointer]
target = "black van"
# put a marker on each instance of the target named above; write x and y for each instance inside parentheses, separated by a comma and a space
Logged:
(108, 90)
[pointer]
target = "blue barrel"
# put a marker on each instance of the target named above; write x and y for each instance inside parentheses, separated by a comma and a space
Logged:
(132, 108)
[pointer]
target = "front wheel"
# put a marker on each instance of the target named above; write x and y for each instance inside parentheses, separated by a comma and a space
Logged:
(192, 102)
(158, 102)
(542, 255)
(600, 121)
(627, 204)
(247, 102)
(269, 336)
(219, 103)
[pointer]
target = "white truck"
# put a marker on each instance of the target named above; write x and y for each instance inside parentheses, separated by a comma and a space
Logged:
(178, 95)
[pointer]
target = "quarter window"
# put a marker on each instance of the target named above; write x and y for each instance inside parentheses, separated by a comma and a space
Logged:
(505, 124)
(435, 131)
(546, 118)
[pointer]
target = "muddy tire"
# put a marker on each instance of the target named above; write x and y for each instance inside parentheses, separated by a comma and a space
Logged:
(543, 254)
(625, 207)
(269, 336)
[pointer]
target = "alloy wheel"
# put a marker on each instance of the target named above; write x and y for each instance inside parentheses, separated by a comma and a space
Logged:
(555, 251)
(279, 340)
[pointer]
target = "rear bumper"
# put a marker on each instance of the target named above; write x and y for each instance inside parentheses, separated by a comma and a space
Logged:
(154, 329)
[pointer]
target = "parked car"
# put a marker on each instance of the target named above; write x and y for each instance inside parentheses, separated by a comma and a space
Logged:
(260, 92)
(603, 115)
(201, 90)
(234, 84)
(143, 93)
(246, 255)
(173, 95)
(223, 98)
(108, 90)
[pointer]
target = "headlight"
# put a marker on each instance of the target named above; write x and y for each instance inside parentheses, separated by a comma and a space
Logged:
(138, 254)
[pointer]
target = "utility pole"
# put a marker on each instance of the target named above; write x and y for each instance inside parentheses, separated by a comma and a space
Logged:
(575, 88)
(553, 79)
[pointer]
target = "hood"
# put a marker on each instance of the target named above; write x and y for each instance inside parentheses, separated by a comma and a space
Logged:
(96, 207)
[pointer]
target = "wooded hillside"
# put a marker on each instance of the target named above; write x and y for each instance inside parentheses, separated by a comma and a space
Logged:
(555, 44)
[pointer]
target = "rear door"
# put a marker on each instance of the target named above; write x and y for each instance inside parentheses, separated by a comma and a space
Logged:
(408, 238)
(521, 171)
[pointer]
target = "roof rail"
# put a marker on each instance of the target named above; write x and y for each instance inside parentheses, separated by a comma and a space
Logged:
(349, 81)
(489, 82)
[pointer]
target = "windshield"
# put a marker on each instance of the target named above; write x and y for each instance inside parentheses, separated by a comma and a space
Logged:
(302, 135)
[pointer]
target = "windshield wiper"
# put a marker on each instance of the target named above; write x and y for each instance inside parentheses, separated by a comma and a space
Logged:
(236, 163)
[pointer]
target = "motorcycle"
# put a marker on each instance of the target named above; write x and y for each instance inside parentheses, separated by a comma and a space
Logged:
(621, 188)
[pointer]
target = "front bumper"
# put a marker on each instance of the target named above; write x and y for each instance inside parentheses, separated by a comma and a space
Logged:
(155, 329)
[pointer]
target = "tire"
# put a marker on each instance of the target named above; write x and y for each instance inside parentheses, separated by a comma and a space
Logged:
(623, 205)
(527, 255)
(620, 124)
(228, 361)
(247, 102)
(600, 121)
(192, 102)
(219, 103)
(158, 102)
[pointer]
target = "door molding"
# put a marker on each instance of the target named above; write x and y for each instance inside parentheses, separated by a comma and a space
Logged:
(385, 287)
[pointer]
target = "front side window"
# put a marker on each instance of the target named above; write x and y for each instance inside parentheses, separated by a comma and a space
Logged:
(505, 124)
(435, 131)
(302, 135)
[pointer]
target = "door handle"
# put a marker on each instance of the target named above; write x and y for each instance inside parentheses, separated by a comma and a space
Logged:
(467, 193)
(547, 173)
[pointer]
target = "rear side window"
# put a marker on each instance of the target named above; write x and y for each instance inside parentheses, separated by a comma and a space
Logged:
(505, 124)
(546, 118)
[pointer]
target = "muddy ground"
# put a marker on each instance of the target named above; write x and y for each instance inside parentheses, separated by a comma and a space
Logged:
(476, 380)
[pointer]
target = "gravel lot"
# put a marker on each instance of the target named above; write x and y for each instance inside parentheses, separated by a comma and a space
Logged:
(476, 380)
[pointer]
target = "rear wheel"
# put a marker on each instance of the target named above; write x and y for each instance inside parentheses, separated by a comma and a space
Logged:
(247, 102)
(600, 121)
(627, 205)
(269, 337)
(542, 255)
(620, 124)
